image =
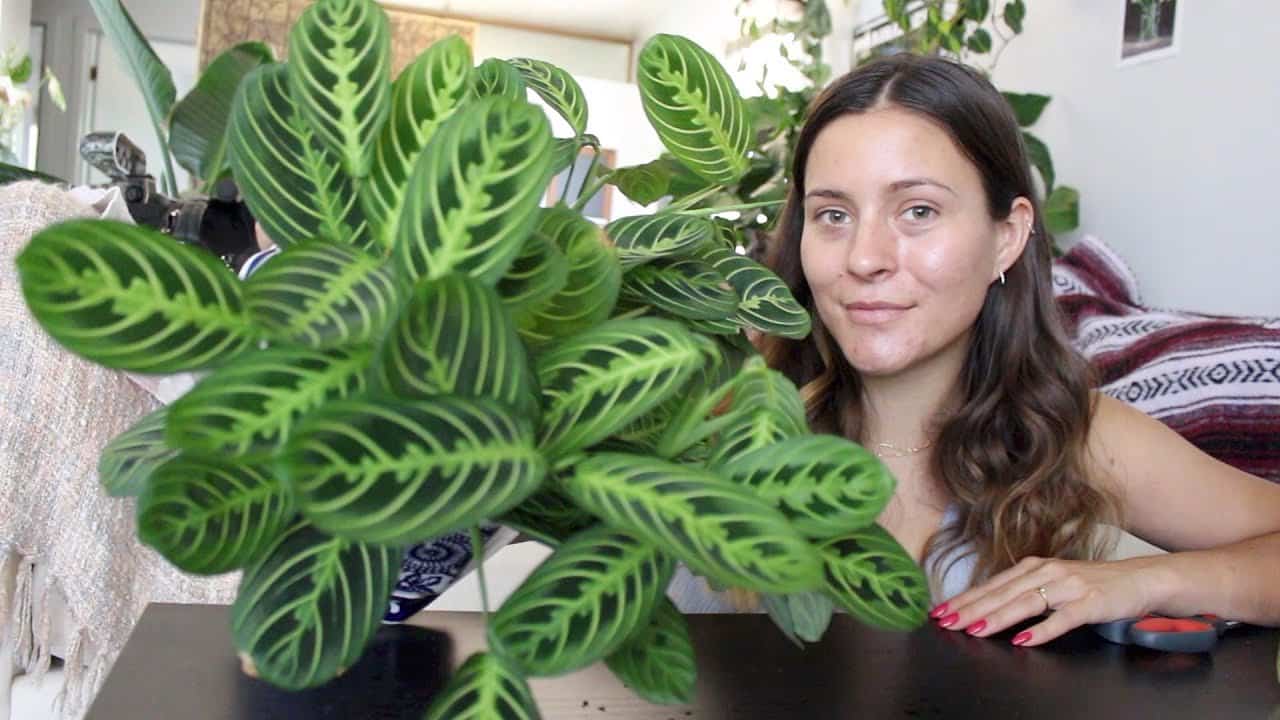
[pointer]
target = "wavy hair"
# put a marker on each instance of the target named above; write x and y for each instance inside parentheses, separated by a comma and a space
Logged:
(1012, 456)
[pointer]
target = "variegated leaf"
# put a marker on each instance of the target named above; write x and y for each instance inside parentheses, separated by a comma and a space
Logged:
(548, 517)
(596, 382)
(321, 295)
(296, 189)
(765, 303)
(684, 287)
(658, 662)
(693, 105)
(474, 193)
(486, 687)
(499, 78)
(719, 529)
(250, 408)
(401, 471)
(128, 461)
(801, 616)
(591, 288)
(454, 338)
(310, 607)
(557, 88)
(128, 297)
(766, 409)
(581, 603)
(340, 70)
(870, 575)
(427, 92)
(563, 152)
(642, 238)
(539, 272)
(208, 515)
(825, 484)
(645, 183)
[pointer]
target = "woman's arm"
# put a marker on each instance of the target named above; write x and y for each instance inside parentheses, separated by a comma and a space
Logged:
(1222, 524)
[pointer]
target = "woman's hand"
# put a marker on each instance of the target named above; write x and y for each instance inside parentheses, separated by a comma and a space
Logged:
(1077, 593)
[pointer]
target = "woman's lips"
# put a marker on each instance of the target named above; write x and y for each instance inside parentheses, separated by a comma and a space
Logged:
(875, 313)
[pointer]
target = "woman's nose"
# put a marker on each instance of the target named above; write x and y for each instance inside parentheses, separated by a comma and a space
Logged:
(873, 252)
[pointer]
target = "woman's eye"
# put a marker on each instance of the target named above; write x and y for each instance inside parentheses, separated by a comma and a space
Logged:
(921, 213)
(835, 217)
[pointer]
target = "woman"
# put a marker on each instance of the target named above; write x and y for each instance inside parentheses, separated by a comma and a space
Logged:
(913, 235)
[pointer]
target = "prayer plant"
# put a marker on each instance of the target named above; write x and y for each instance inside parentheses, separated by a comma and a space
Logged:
(433, 350)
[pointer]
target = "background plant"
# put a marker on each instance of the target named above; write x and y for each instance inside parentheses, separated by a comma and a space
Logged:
(433, 350)
(15, 71)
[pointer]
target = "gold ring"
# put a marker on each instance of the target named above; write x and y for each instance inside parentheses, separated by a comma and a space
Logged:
(1044, 595)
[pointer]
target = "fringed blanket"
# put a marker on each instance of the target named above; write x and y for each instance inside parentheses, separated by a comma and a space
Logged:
(59, 532)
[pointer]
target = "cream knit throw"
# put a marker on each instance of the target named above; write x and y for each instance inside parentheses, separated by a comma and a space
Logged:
(57, 412)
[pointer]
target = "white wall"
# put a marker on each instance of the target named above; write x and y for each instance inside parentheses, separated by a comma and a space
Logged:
(15, 25)
(580, 56)
(1176, 160)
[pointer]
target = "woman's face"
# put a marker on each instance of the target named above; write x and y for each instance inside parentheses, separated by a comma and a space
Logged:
(898, 246)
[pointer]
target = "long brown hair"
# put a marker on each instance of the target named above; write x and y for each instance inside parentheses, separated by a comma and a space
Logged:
(1012, 456)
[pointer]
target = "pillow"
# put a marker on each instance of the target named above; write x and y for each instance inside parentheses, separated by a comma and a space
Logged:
(1215, 380)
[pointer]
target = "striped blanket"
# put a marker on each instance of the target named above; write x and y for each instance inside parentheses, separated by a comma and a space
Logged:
(1214, 380)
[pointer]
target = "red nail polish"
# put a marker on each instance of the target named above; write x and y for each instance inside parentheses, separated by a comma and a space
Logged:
(938, 611)
(1022, 638)
(977, 627)
(949, 620)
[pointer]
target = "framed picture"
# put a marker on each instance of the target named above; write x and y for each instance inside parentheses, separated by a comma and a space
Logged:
(1150, 30)
(600, 207)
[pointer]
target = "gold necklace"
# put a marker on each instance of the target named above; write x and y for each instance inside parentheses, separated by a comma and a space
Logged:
(898, 452)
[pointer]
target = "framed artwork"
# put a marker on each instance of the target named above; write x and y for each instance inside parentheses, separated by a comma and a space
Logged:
(224, 23)
(600, 207)
(1150, 30)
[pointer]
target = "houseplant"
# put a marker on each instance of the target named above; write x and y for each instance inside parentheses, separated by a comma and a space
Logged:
(432, 350)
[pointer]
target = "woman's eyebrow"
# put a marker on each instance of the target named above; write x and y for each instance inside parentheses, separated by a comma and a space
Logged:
(826, 193)
(916, 182)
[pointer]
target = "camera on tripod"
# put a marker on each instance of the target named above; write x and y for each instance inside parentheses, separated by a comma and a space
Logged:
(220, 223)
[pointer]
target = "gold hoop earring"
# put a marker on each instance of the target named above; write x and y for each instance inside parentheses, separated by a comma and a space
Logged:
(1001, 277)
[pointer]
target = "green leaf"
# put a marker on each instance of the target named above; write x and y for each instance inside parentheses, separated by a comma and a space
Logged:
(824, 484)
(873, 578)
(486, 687)
(198, 125)
(590, 289)
(976, 10)
(598, 381)
(817, 18)
(295, 188)
(128, 461)
(719, 529)
(320, 295)
(563, 152)
(557, 88)
(21, 72)
(207, 515)
(249, 408)
(683, 287)
(693, 105)
(766, 409)
(474, 193)
(979, 41)
(1026, 106)
(657, 662)
(499, 78)
(548, 516)
(643, 184)
(1038, 154)
(152, 76)
(308, 609)
(130, 298)
(581, 603)
(800, 616)
(14, 173)
(54, 88)
(340, 71)
(539, 272)
(1014, 13)
(400, 471)
(641, 238)
(426, 94)
(1062, 210)
(896, 10)
(455, 338)
(765, 302)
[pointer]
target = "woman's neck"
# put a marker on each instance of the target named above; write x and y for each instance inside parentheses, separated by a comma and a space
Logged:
(904, 409)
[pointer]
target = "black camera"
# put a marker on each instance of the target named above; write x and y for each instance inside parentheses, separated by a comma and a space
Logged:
(219, 223)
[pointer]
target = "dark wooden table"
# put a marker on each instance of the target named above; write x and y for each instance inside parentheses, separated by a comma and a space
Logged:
(179, 664)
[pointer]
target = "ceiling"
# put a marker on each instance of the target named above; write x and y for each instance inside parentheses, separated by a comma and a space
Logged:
(620, 20)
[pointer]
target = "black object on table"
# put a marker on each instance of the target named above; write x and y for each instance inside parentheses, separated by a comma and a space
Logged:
(179, 664)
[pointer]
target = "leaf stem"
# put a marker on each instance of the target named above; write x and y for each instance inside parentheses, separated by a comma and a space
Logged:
(728, 208)
(477, 552)
(689, 201)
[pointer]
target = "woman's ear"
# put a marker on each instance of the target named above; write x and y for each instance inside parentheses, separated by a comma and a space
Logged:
(1012, 234)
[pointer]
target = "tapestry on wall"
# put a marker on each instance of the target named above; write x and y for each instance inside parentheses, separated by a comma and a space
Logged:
(224, 23)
